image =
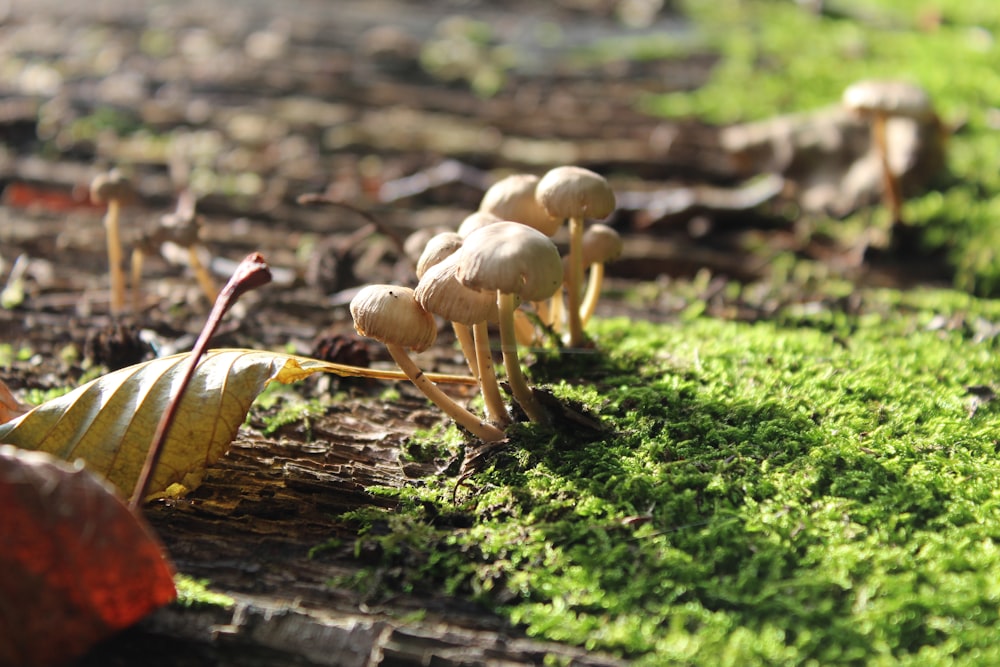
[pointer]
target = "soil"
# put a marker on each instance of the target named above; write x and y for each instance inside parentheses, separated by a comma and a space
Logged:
(326, 98)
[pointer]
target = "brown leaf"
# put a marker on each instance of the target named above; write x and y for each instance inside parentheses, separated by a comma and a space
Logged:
(75, 564)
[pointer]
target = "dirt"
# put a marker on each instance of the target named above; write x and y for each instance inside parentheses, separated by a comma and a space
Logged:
(313, 98)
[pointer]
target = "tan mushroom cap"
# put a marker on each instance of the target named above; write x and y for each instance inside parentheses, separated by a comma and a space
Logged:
(440, 292)
(513, 198)
(511, 258)
(601, 244)
(474, 221)
(893, 98)
(111, 185)
(438, 248)
(391, 314)
(415, 243)
(575, 192)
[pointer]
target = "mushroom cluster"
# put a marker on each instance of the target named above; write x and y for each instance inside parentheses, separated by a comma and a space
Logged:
(500, 258)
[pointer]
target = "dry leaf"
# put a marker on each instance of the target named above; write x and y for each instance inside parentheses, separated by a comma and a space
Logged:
(109, 422)
(75, 564)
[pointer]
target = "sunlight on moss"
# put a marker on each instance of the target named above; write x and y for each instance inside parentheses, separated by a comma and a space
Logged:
(765, 493)
(195, 593)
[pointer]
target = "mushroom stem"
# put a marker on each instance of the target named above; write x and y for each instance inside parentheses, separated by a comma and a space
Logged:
(138, 259)
(508, 345)
(464, 418)
(556, 308)
(544, 311)
(574, 282)
(111, 228)
(891, 192)
(496, 411)
(594, 282)
(201, 274)
(466, 341)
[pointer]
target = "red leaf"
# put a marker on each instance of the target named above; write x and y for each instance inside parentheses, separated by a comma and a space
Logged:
(75, 564)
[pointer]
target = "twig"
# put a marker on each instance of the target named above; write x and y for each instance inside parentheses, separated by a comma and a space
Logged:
(251, 273)
(381, 227)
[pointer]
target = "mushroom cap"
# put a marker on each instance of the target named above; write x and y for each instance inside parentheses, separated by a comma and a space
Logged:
(438, 248)
(601, 244)
(891, 97)
(474, 221)
(440, 292)
(511, 258)
(391, 314)
(415, 243)
(513, 198)
(575, 192)
(111, 185)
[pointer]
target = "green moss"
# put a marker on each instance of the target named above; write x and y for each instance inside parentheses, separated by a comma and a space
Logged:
(195, 593)
(764, 493)
(279, 405)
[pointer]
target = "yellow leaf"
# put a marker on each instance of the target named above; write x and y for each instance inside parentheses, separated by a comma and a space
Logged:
(109, 422)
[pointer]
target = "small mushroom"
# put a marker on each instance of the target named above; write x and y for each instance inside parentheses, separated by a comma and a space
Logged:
(437, 248)
(513, 198)
(182, 227)
(440, 292)
(880, 101)
(391, 315)
(414, 244)
(474, 221)
(512, 260)
(575, 193)
(601, 244)
(113, 189)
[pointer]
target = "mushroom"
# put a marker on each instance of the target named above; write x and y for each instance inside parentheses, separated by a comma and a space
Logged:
(881, 100)
(182, 228)
(513, 198)
(474, 221)
(601, 244)
(437, 248)
(113, 189)
(440, 292)
(575, 193)
(512, 260)
(391, 315)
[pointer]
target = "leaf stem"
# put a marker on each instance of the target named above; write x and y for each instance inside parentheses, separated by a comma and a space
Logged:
(251, 273)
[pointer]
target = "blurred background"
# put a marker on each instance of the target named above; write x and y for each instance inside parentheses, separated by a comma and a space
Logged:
(718, 123)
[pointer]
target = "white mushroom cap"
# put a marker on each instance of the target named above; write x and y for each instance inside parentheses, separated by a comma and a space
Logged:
(513, 198)
(893, 98)
(601, 244)
(391, 314)
(474, 221)
(440, 292)
(575, 192)
(438, 247)
(511, 258)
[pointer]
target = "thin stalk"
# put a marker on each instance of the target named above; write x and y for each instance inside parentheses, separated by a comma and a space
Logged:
(495, 408)
(512, 364)
(111, 230)
(472, 423)
(252, 272)
(201, 274)
(891, 191)
(463, 332)
(590, 298)
(575, 282)
(138, 259)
